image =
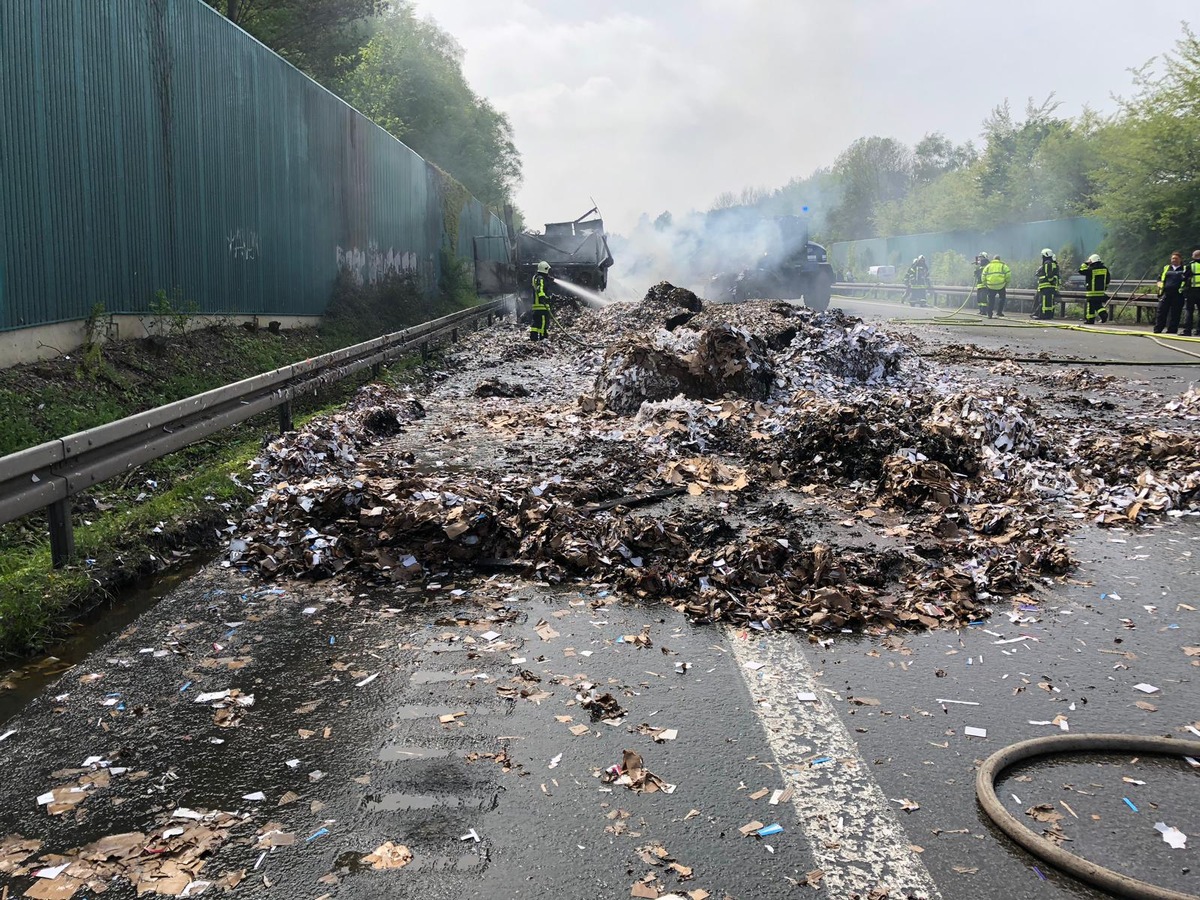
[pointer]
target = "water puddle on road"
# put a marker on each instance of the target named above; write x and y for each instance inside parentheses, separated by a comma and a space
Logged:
(376, 803)
(23, 683)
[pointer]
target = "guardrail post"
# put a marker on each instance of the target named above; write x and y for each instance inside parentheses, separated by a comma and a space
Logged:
(376, 371)
(454, 335)
(424, 351)
(62, 535)
(285, 417)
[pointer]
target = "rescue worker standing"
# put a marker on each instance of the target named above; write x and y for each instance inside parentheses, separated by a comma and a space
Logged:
(540, 323)
(996, 278)
(1047, 285)
(1096, 290)
(981, 260)
(916, 280)
(1191, 300)
(1172, 284)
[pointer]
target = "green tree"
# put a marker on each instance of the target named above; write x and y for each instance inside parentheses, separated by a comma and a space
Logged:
(319, 37)
(872, 171)
(409, 80)
(1149, 176)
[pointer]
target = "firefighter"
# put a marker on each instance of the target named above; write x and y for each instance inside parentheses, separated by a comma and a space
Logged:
(916, 280)
(1047, 285)
(540, 323)
(1191, 302)
(1172, 283)
(996, 278)
(981, 260)
(1096, 290)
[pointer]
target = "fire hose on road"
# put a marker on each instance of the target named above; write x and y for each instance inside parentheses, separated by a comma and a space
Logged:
(1088, 872)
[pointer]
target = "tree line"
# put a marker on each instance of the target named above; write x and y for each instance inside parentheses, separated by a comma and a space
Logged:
(1137, 170)
(401, 71)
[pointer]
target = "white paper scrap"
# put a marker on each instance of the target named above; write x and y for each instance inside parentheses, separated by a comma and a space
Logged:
(210, 696)
(1171, 835)
(775, 795)
(45, 798)
(367, 680)
(490, 635)
(257, 795)
(806, 696)
(957, 702)
(554, 762)
(1146, 688)
(972, 731)
(51, 871)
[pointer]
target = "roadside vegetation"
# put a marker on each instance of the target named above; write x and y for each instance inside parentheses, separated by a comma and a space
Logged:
(1136, 170)
(166, 512)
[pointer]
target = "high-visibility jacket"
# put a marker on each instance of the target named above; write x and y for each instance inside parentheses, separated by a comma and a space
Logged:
(1048, 276)
(540, 299)
(1097, 278)
(1193, 270)
(978, 277)
(996, 275)
(1173, 278)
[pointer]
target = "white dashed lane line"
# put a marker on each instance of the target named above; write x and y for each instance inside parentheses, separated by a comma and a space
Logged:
(854, 833)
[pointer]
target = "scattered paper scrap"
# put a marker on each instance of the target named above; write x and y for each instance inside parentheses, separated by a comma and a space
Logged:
(1171, 835)
(389, 856)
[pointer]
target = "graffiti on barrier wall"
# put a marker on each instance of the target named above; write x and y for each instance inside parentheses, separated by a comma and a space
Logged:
(243, 245)
(369, 265)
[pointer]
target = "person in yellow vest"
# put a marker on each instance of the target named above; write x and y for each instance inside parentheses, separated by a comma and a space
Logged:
(1095, 290)
(1047, 286)
(981, 260)
(1191, 299)
(541, 302)
(996, 278)
(1172, 282)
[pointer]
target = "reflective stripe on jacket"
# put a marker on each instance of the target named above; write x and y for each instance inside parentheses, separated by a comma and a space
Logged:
(1097, 278)
(1047, 276)
(539, 292)
(996, 275)
(1193, 270)
(1173, 278)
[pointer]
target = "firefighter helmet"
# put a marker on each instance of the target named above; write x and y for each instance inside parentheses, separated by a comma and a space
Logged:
(544, 267)
(1047, 253)
(1094, 258)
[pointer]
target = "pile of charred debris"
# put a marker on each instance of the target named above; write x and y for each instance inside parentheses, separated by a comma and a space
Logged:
(757, 463)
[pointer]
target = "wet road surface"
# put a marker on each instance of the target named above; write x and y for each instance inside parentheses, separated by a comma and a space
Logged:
(355, 728)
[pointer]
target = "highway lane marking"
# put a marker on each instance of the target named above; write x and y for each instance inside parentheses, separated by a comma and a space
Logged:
(854, 832)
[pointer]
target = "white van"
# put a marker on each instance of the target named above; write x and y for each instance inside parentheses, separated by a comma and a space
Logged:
(882, 273)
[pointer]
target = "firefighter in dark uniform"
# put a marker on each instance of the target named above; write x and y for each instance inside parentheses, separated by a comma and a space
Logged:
(981, 260)
(1095, 290)
(1047, 285)
(540, 323)
(1191, 300)
(916, 281)
(1171, 285)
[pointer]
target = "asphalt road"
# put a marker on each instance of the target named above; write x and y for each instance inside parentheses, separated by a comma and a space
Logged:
(872, 780)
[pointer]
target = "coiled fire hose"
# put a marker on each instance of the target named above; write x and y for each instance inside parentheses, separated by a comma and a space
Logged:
(1077, 866)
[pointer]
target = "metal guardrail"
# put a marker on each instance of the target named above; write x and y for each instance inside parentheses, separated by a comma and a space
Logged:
(48, 475)
(1126, 293)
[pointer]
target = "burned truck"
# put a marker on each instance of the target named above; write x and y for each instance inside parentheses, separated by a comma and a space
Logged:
(771, 259)
(577, 252)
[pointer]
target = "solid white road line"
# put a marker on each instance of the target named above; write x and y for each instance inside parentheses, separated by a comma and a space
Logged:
(854, 832)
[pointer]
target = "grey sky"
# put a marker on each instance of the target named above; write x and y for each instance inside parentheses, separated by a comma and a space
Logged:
(663, 104)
